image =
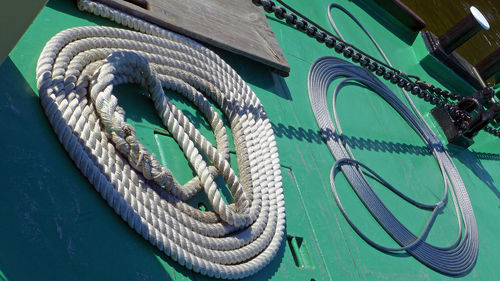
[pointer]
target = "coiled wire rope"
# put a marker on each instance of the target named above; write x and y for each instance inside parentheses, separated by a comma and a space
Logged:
(76, 73)
(455, 259)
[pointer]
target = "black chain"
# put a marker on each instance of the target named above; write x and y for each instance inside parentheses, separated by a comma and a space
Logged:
(492, 131)
(424, 90)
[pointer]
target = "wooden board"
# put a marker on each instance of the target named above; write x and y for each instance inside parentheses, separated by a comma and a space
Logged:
(237, 26)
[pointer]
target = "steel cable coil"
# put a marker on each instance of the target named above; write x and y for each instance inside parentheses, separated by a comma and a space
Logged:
(461, 255)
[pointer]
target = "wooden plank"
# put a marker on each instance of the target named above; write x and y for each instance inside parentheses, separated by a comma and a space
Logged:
(237, 26)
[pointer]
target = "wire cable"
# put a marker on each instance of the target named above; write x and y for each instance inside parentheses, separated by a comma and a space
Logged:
(457, 258)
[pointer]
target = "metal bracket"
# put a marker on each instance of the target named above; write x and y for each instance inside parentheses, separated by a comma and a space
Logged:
(450, 128)
(460, 133)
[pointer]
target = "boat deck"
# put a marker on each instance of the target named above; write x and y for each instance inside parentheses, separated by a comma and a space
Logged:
(57, 227)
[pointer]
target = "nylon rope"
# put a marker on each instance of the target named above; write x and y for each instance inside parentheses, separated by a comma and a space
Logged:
(457, 258)
(76, 74)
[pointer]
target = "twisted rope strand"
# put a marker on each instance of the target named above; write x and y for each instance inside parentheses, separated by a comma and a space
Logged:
(76, 74)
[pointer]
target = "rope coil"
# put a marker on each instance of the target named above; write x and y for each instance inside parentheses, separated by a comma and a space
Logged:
(76, 74)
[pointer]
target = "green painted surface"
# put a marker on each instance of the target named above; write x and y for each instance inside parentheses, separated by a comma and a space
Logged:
(56, 227)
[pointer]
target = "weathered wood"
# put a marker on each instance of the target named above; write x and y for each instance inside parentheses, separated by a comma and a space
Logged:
(234, 25)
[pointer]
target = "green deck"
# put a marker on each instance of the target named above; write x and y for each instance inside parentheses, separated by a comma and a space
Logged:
(55, 226)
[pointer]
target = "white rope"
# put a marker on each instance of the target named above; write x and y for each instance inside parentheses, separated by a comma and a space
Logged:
(76, 74)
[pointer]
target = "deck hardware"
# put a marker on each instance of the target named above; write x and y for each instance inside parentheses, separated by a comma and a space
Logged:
(442, 48)
(463, 30)
(442, 99)
(461, 132)
(490, 65)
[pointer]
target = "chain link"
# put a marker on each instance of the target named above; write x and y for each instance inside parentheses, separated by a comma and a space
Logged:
(424, 90)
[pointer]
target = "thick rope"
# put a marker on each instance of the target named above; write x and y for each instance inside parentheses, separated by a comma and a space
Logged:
(76, 74)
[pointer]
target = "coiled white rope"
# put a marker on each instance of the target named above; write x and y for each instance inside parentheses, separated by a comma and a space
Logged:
(76, 74)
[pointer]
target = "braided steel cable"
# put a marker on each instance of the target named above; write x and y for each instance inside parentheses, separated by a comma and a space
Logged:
(76, 73)
(461, 255)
